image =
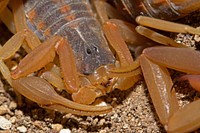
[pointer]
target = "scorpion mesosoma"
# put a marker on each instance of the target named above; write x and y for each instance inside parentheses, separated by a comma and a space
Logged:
(102, 76)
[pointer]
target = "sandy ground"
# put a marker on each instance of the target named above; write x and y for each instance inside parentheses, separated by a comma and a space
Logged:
(134, 111)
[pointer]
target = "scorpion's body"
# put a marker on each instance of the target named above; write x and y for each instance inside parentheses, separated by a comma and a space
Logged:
(73, 20)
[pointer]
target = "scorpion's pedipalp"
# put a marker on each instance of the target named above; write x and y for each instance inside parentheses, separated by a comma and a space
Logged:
(186, 119)
(116, 41)
(84, 95)
(180, 59)
(37, 58)
(41, 92)
(127, 65)
(157, 37)
(31, 39)
(166, 25)
(128, 71)
(68, 66)
(159, 85)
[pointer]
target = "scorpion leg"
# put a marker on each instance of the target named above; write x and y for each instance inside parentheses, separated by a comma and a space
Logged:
(20, 24)
(157, 37)
(185, 60)
(6, 17)
(9, 49)
(166, 25)
(3, 4)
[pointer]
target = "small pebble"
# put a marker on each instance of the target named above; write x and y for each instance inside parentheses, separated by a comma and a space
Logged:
(18, 113)
(13, 119)
(22, 129)
(57, 127)
(65, 131)
(3, 110)
(102, 121)
(102, 131)
(4, 123)
(12, 105)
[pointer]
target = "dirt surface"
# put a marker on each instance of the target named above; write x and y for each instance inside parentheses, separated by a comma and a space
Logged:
(133, 112)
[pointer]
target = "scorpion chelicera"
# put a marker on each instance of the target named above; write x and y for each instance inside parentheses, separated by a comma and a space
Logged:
(87, 66)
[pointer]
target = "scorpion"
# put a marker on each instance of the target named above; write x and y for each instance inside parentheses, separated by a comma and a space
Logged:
(65, 43)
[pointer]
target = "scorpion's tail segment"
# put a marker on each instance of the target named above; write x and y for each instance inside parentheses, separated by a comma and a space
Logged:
(37, 58)
(181, 122)
(180, 59)
(3, 4)
(41, 92)
(159, 85)
(194, 80)
(157, 37)
(166, 25)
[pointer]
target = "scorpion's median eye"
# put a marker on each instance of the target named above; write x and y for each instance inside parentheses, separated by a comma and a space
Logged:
(89, 51)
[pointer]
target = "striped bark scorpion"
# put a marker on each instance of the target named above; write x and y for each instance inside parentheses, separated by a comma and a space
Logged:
(87, 65)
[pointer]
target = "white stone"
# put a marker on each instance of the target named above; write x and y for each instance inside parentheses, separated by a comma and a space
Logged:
(4, 123)
(65, 131)
(22, 129)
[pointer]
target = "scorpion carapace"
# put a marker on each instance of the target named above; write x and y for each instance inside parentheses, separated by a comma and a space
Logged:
(74, 21)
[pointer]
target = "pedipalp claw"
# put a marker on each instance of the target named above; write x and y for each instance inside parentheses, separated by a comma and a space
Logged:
(41, 92)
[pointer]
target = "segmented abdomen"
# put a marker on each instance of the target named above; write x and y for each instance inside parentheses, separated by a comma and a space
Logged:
(74, 20)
